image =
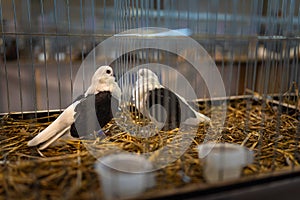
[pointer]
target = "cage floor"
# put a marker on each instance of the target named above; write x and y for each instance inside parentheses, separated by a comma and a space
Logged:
(66, 170)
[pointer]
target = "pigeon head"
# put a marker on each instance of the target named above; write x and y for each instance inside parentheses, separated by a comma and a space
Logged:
(104, 80)
(146, 74)
(103, 74)
(147, 80)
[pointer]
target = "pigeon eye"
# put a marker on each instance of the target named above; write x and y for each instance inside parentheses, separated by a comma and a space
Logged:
(142, 73)
(108, 71)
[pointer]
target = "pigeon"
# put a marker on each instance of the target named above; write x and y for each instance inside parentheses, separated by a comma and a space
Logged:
(101, 98)
(166, 109)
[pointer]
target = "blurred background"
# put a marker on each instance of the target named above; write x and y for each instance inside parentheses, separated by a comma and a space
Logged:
(255, 44)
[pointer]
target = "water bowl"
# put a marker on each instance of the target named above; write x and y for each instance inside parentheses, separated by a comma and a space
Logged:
(223, 161)
(124, 175)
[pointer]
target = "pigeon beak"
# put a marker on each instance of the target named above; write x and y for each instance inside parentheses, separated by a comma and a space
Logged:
(114, 76)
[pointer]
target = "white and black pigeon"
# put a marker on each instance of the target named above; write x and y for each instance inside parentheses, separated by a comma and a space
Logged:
(164, 107)
(88, 113)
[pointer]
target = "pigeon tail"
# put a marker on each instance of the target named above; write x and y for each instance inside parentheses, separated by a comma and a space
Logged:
(56, 129)
(195, 121)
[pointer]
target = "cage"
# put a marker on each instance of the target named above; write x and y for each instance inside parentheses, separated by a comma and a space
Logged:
(254, 46)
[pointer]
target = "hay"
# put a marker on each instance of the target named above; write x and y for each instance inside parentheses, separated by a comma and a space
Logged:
(66, 170)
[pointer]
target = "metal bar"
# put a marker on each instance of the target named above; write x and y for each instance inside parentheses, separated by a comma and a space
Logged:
(57, 55)
(70, 48)
(98, 35)
(115, 16)
(104, 15)
(32, 57)
(92, 5)
(83, 49)
(45, 56)
(4, 57)
(18, 56)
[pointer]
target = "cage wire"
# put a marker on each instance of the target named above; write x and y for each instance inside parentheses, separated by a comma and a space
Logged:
(255, 45)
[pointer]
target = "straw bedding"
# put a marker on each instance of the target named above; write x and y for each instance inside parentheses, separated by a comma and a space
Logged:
(66, 170)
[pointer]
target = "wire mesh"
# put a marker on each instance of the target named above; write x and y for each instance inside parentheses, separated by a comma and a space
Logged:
(255, 45)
